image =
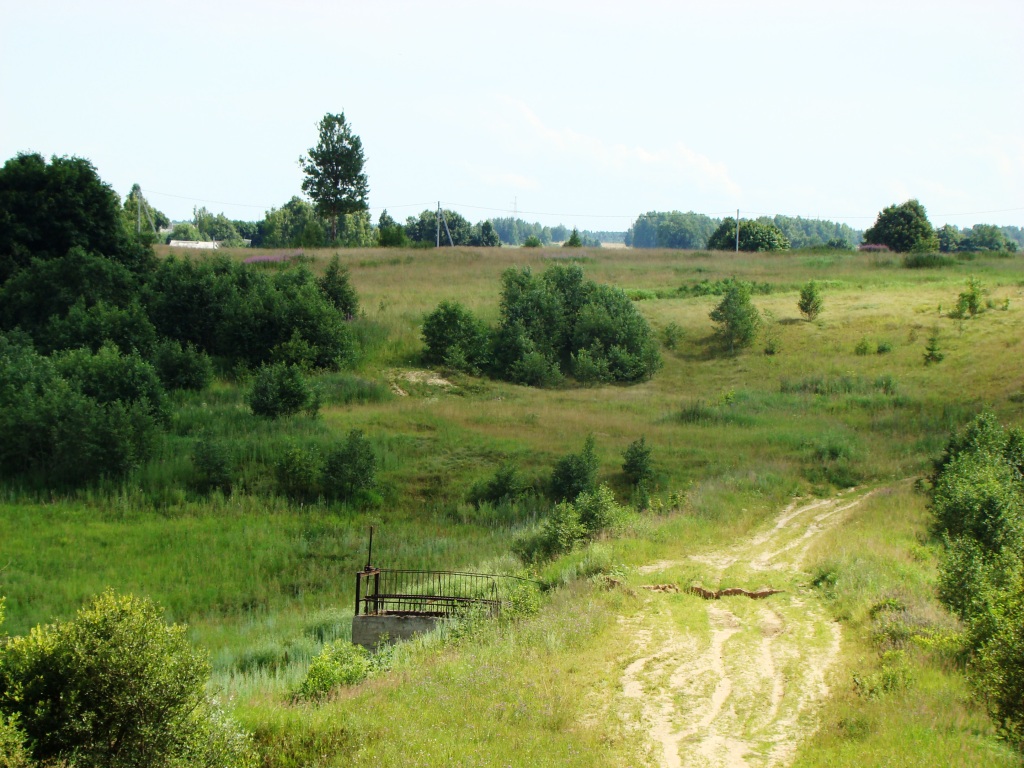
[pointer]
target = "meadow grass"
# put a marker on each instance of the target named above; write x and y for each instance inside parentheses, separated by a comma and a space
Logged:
(263, 581)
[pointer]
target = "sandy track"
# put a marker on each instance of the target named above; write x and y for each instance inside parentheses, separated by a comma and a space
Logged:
(742, 691)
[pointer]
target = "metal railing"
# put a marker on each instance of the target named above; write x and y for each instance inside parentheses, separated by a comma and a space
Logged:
(424, 593)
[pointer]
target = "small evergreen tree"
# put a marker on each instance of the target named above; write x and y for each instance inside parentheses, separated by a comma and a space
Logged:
(737, 318)
(574, 240)
(810, 302)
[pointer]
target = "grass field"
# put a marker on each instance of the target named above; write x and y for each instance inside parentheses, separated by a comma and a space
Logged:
(264, 582)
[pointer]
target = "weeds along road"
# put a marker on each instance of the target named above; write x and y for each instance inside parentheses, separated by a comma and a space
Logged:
(735, 681)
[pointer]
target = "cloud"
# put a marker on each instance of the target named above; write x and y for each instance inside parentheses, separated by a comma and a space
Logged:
(675, 163)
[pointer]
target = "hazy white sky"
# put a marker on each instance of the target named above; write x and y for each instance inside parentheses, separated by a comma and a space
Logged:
(584, 113)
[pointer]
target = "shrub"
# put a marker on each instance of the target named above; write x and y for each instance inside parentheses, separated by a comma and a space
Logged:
(58, 434)
(298, 472)
(636, 462)
(506, 485)
(737, 319)
(598, 510)
(968, 303)
(280, 390)
(350, 469)
(575, 473)
(13, 753)
(182, 367)
(456, 338)
(810, 302)
(211, 464)
(532, 242)
(863, 347)
(671, 335)
(903, 228)
(339, 663)
(109, 377)
(116, 687)
(559, 533)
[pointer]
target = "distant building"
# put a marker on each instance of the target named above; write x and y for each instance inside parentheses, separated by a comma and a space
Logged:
(207, 245)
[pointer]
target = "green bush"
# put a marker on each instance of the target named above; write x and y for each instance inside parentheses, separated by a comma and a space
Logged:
(636, 462)
(506, 485)
(350, 469)
(456, 338)
(598, 510)
(754, 236)
(13, 752)
(280, 390)
(108, 376)
(339, 663)
(298, 472)
(116, 687)
(211, 465)
(62, 437)
(737, 319)
(575, 473)
(182, 367)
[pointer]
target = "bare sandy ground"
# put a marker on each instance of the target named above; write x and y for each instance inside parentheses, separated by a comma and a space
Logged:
(742, 691)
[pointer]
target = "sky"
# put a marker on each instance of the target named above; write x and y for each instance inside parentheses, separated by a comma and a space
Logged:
(582, 113)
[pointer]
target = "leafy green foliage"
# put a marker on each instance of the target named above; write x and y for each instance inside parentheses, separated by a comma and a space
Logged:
(238, 314)
(759, 235)
(298, 471)
(280, 390)
(737, 319)
(339, 663)
(212, 465)
(116, 687)
(506, 485)
(50, 208)
(903, 228)
(350, 469)
(978, 502)
(390, 234)
(68, 433)
(968, 303)
(636, 462)
(560, 321)
(532, 242)
(182, 367)
(810, 302)
(455, 338)
(575, 473)
(334, 176)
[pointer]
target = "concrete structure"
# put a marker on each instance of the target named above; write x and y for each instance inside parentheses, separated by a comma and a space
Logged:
(368, 631)
(204, 245)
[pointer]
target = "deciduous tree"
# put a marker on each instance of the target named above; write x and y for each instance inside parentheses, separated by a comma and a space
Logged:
(334, 171)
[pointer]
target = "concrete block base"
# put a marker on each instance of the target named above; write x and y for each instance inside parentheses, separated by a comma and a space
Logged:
(368, 631)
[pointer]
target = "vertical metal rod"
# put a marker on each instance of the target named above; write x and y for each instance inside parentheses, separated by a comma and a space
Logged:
(359, 581)
(737, 230)
(369, 551)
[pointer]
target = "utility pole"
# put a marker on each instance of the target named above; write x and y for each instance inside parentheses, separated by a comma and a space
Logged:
(138, 211)
(437, 242)
(737, 230)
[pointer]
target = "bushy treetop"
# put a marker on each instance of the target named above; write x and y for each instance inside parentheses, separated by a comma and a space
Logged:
(903, 228)
(754, 236)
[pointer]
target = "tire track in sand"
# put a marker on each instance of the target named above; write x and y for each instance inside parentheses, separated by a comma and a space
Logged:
(741, 693)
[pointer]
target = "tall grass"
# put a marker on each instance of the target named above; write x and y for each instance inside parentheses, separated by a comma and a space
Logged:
(264, 582)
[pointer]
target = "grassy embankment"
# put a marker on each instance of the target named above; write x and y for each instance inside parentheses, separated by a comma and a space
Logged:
(263, 582)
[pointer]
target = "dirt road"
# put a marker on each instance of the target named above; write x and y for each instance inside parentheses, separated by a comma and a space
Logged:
(735, 682)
